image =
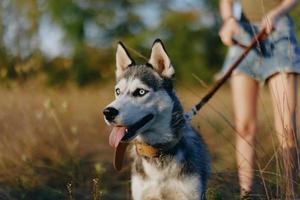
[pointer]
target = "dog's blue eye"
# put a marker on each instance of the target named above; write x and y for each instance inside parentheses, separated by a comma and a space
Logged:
(140, 92)
(118, 91)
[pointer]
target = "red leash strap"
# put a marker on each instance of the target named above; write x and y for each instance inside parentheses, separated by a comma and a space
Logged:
(259, 37)
(235, 42)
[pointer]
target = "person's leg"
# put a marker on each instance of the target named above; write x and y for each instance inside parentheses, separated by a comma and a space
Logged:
(244, 92)
(283, 88)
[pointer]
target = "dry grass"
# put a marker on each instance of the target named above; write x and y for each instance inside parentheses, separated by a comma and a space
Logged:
(52, 138)
(53, 144)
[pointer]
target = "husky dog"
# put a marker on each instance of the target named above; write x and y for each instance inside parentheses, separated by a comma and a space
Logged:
(170, 160)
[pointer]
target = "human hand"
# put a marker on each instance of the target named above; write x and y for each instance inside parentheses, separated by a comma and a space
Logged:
(229, 28)
(269, 21)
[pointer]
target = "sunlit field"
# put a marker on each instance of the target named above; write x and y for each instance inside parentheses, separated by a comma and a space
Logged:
(57, 63)
(54, 144)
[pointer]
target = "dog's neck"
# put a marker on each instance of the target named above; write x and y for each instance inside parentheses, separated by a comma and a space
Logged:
(156, 150)
(145, 150)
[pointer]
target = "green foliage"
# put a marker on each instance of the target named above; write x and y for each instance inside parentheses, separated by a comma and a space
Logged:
(92, 28)
(84, 72)
(193, 49)
(57, 72)
(295, 14)
(213, 194)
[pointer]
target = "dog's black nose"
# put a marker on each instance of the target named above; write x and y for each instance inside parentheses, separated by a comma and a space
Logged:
(110, 113)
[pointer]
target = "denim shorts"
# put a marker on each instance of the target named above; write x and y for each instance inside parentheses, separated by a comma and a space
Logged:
(280, 52)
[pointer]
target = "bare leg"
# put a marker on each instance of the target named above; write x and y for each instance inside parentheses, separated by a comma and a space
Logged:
(245, 90)
(283, 88)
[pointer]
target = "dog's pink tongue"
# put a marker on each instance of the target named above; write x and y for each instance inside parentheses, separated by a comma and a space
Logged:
(116, 135)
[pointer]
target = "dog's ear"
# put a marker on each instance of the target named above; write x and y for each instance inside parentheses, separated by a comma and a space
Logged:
(160, 60)
(123, 60)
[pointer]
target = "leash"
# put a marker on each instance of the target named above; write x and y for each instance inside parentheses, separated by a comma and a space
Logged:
(255, 40)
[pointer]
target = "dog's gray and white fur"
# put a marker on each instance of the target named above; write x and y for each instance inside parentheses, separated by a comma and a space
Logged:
(182, 169)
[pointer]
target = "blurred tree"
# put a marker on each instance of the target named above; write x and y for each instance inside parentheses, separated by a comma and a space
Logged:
(91, 28)
(114, 19)
(194, 49)
(295, 14)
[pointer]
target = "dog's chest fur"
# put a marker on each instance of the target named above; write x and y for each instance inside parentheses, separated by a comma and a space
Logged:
(172, 177)
(165, 184)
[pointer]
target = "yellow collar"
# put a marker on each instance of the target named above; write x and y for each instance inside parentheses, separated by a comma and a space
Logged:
(143, 149)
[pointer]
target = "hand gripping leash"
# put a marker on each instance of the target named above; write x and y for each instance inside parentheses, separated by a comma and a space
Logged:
(255, 41)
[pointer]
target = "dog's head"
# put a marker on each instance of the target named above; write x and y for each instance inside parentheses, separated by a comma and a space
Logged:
(145, 103)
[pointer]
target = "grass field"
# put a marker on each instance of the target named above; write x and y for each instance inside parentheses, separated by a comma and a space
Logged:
(54, 144)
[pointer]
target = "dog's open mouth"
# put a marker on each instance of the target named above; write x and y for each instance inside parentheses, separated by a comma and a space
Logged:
(125, 134)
